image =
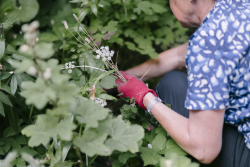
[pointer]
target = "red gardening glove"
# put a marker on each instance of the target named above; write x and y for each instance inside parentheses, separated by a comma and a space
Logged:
(133, 88)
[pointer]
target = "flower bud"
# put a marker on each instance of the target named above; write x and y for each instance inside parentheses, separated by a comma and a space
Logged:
(34, 24)
(47, 74)
(24, 48)
(25, 27)
(32, 71)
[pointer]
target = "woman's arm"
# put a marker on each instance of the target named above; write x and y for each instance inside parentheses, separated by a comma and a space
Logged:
(200, 135)
(172, 59)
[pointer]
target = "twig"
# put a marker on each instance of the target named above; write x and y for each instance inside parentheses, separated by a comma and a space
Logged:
(145, 74)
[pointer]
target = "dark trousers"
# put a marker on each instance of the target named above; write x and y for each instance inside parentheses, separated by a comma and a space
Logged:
(172, 90)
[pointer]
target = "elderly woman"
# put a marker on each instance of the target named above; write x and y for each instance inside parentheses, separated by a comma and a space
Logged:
(210, 114)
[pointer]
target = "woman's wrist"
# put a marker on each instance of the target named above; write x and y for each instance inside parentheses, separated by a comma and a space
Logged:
(148, 98)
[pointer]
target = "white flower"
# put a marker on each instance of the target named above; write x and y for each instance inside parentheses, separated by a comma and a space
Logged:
(47, 74)
(149, 146)
(107, 54)
(102, 48)
(70, 71)
(25, 27)
(25, 48)
(98, 56)
(103, 54)
(112, 52)
(104, 59)
(98, 51)
(100, 101)
(31, 70)
(34, 24)
(66, 65)
(106, 48)
(66, 25)
(109, 58)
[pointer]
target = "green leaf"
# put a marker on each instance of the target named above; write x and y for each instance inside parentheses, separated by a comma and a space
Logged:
(6, 147)
(145, 7)
(66, 147)
(112, 26)
(159, 142)
(13, 84)
(20, 162)
(8, 132)
(5, 75)
(103, 75)
(124, 137)
(92, 143)
(177, 161)
(83, 14)
(89, 112)
(5, 99)
(46, 127)
(94, 9)
(29, 9)
(41, 132)
(29, 150)
(2, 48)
(14, 120)
(6, 88)
(172, 147)
(149, 156)
(44, 50)
(64, 129)
(37, 93)
(2, 109)
(108, 82)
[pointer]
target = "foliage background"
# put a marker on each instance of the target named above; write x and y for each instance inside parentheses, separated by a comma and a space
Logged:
(42, 117)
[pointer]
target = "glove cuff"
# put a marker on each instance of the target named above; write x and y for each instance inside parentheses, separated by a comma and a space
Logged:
(142, 95)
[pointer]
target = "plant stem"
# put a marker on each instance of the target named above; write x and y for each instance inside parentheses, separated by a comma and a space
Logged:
(31, 111)
(93, 159)
(79, 156)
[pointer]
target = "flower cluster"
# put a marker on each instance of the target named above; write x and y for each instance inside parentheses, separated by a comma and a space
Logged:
(69, 66)
(100, 101)
(105, 53)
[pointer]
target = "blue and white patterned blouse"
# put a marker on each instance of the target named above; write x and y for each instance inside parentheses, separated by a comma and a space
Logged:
(218, 64)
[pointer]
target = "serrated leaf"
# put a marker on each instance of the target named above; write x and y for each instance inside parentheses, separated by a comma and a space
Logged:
(29, 9)
(159, 142)
(92, 143)
(149, 156)
(6, 147)
(44, 50)
(2, 48)
(124, 137)
(65, 129)
(5, 99)
(89, 113)
(177, 161)
(13, 84)
(145, 7)
(45, 128)
(172, 147)
(37, 93)
(112, 26)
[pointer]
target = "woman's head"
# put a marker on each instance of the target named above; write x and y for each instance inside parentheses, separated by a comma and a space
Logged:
(191, 13)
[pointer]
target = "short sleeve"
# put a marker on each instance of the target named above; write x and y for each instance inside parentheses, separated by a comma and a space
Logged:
(210, 66)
